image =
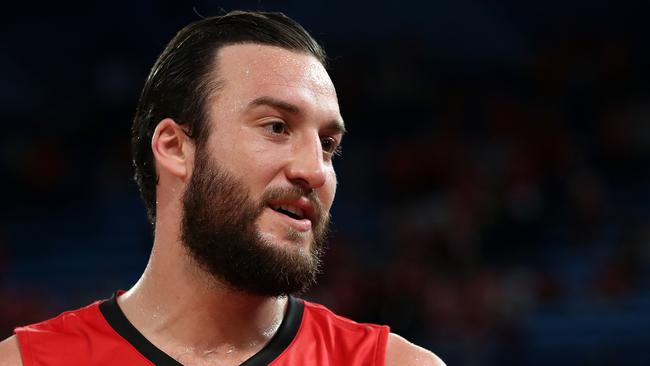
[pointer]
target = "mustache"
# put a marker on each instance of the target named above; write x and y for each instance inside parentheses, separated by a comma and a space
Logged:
(293, 193)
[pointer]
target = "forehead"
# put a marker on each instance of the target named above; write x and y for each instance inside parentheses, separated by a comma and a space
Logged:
(247, 71)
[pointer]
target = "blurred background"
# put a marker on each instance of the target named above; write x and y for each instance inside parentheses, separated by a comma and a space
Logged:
(494, 197)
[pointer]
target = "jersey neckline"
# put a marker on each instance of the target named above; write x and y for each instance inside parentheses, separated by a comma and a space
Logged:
(281, 340)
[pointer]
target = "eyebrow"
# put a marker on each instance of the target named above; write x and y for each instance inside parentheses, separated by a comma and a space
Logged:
(336, 124)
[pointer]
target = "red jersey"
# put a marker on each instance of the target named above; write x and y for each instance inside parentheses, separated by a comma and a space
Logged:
(100, 334)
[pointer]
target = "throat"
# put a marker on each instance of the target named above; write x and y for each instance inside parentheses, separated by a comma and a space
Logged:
(233, 343)
(215, 332)
(222, 355)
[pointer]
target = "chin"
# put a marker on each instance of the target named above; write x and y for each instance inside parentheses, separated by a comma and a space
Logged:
(289, 238)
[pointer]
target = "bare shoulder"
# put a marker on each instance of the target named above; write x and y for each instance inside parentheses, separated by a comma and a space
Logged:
(401, 352)
(10, 352)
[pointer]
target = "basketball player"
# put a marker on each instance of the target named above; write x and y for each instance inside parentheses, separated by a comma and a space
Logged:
(233, 142)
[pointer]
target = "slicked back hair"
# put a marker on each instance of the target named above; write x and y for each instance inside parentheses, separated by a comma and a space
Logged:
(184, 77)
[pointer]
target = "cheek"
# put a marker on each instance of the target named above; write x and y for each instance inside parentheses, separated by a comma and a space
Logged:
(246, 158)
(264, 168)
(329, 190)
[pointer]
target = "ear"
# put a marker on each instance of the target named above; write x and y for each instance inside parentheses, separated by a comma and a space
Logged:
(172, 149)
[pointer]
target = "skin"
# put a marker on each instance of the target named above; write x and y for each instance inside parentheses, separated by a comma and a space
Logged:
(182, 310)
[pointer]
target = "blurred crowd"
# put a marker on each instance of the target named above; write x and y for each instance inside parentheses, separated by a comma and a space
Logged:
(513, 226)
(495, 214)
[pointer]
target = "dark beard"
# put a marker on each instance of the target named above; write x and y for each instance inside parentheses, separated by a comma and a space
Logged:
(219, 232)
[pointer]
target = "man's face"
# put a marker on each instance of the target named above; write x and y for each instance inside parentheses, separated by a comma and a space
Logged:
(264, 181)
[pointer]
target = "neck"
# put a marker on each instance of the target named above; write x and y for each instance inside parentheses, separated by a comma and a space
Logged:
(183, 310)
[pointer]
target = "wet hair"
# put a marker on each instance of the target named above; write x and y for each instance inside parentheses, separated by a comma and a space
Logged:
(183, 78)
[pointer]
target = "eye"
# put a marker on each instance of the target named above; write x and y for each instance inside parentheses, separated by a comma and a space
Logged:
(276, 127)
(330, 145)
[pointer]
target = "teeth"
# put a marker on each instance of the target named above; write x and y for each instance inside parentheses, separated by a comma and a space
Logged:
(294, 210)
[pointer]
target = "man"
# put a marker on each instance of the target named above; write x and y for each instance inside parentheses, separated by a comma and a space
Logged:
(233, 143)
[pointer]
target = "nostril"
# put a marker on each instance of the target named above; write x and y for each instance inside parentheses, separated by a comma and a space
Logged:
(303, 183)
(307, 179)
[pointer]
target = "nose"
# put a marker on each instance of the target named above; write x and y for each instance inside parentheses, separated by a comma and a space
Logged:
(307, 167)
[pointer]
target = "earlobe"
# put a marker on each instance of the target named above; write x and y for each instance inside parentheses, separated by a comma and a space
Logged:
(170, 146)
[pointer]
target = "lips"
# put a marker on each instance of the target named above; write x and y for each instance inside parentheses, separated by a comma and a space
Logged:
(299, 212)
(289, 210)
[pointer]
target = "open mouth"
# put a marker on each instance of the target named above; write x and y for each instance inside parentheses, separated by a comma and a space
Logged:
(299, 213)
(288, 210)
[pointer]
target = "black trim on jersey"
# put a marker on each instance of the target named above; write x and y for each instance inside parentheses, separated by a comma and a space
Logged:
(116, 319)
(283, 337)
(280, 341)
